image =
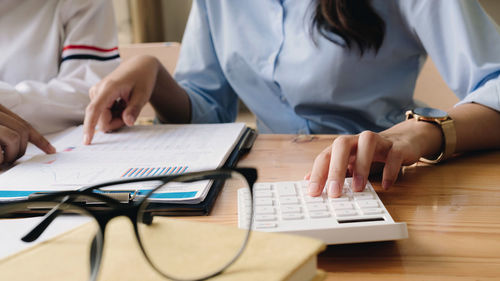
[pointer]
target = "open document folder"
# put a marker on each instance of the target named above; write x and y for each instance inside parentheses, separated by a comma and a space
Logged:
(138, 151)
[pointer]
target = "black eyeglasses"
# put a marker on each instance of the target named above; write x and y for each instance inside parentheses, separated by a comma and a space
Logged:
(179, 248)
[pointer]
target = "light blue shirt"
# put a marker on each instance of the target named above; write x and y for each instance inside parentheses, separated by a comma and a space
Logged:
(263, 52)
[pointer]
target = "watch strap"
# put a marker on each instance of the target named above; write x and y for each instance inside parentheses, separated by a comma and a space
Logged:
(449, 141)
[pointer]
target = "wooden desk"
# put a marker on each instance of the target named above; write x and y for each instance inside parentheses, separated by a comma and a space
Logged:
(452, 212)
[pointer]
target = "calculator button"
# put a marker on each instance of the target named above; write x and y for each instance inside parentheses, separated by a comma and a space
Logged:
(347, 183)
(345, 213)
(363, 195)
(369, 187)
(247, 202)
(286, 189)
(263, 202)
(317, 207)
(265, 218)
(347, 191)
(318, 215)
(293, 216)
(339, 199)
(289, 200)
(263, 225)
(244, 191)
(245, 220)
(264, 210)
(366, 204)
(372, 211)
(291, 209)
(342, 206)
(261, 187)
(310, 199)
(263, 194)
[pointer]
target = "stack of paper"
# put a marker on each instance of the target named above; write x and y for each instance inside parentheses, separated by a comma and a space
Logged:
(138, 151)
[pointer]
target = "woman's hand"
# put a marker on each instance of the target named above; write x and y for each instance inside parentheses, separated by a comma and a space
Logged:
(117, 100)
(400, 145)
(15, 133)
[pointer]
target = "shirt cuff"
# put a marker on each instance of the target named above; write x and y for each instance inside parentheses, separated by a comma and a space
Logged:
(202, 110)
(487, 95)
(9, 97)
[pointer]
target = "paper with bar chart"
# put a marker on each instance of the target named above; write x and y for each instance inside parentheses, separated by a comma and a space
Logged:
(138, 151)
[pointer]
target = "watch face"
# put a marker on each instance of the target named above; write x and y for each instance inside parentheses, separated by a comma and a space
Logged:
(430, 112)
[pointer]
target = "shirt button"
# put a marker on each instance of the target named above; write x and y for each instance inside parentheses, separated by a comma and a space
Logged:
(282, 98)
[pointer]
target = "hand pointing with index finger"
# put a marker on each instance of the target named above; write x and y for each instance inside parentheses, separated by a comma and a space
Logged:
(15, 133)
(117, 100)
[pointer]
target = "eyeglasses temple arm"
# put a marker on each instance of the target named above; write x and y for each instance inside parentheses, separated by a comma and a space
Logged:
(47, 220)
(95, 259)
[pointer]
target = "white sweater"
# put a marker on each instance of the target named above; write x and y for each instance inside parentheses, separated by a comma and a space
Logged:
(51, 53)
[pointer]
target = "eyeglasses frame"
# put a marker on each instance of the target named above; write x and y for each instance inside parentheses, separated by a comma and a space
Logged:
(130, 210)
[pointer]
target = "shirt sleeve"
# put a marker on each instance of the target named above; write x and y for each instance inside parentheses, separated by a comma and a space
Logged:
(88, 53)
(199, 72)
(464, 43)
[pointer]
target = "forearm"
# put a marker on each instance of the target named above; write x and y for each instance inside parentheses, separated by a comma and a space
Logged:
(169, 99)
(477, 127)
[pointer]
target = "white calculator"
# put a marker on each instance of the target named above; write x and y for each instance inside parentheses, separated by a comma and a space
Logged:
(352, 218)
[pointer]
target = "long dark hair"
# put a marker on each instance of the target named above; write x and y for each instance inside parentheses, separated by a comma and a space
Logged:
(354, 20)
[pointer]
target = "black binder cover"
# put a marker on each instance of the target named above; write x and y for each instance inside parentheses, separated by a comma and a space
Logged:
(203, 208)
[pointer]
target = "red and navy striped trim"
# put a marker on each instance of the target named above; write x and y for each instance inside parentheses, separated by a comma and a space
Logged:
(87, 52)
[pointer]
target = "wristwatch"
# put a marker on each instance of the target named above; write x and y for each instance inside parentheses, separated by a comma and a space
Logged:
(441, 119)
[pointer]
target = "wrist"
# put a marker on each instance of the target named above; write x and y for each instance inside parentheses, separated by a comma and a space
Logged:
(426, 139)
(429, 138)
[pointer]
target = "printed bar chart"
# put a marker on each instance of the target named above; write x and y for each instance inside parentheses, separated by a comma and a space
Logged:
(137, 172)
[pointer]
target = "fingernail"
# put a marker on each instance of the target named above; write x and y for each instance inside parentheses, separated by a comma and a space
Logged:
(129, 120)
(86, 139)
(334, 188)
(313, 188)
(52, 148)
(386, 184)
(359, 183)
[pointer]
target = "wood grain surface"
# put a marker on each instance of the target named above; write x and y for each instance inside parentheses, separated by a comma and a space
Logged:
(452, 211)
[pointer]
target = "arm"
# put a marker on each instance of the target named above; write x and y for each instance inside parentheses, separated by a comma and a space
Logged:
(402, 144)
(468, 60)
(56, 104)
(200, 92)
(134, 83)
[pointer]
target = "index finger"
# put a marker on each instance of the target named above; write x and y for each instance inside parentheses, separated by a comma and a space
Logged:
(40, 141)
(342, 149)
(93, 112)
(34, 136)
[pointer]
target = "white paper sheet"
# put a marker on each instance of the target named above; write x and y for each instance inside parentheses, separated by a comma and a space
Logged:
(137, 151)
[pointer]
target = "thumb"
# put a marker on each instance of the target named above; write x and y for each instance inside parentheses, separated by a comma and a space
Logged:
(134, 106)
(133, 109)
(130, 114)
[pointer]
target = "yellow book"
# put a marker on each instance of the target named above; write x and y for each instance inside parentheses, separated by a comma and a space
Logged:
(268, 256)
